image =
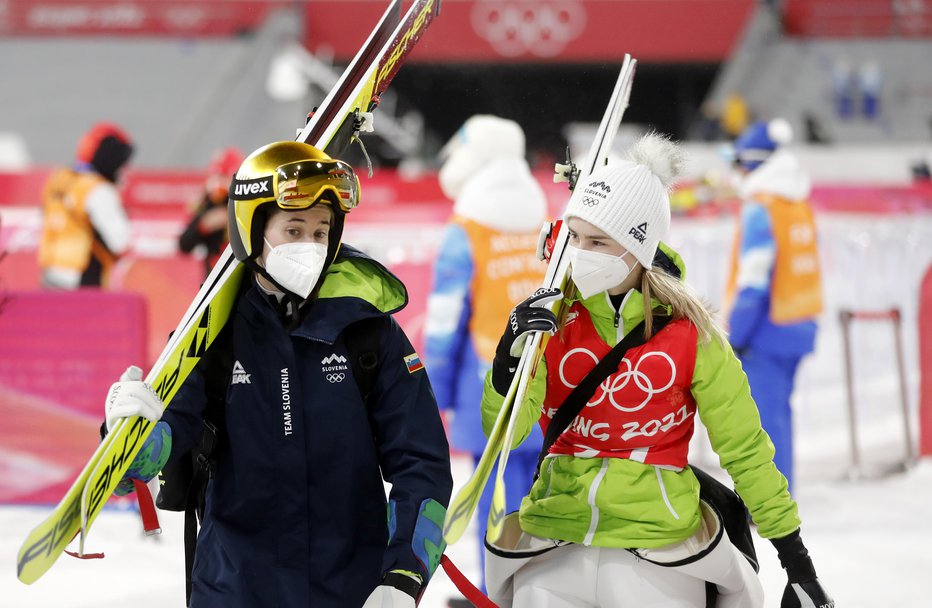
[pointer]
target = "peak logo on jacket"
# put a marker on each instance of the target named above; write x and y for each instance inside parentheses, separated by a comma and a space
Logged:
(239, 374)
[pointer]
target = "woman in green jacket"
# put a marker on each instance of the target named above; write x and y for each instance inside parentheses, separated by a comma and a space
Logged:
(616, 496)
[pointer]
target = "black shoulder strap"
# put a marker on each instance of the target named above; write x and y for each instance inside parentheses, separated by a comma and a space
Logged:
(362, 341)
(577, 399)
(217, 368)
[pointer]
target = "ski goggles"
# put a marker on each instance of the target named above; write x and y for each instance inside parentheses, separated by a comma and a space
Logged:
(303, 184)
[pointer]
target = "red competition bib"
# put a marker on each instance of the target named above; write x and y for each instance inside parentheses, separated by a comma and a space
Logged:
(644, 411)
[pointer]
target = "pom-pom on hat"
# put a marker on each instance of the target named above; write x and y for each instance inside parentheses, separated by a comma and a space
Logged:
(629, 199)
(760, 140)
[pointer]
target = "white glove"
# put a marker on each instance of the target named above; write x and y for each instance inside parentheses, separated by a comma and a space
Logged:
(132, 397)
(386, 596)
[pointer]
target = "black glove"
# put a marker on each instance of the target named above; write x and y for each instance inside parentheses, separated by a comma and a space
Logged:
(803, 588)
(527, 317)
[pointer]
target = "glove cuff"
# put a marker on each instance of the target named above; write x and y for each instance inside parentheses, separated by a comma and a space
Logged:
(503, 370)
(794, 557)
(405, 583)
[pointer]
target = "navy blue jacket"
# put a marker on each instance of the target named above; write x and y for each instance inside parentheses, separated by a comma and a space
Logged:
(296, 515)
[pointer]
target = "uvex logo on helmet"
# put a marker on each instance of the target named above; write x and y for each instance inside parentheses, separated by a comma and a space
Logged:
(246, 189)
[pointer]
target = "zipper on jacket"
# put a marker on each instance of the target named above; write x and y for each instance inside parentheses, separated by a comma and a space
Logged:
(620, 331)
(594, 510)
(663, 492)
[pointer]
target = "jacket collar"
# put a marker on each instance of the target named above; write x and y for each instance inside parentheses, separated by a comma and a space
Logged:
(355, 287)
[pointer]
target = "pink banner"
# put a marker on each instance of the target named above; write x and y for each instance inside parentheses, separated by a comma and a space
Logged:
(59, 354)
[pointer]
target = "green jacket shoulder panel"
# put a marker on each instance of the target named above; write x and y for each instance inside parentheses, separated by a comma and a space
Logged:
(356, 275)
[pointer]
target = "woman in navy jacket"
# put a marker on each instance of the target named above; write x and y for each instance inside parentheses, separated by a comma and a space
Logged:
(296, 513)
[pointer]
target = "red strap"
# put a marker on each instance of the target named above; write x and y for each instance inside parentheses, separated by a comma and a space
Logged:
(470, 591)
(84, 555)
(150, 519)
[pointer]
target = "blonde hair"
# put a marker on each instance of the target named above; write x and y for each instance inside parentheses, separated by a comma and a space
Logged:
(670, 291)
(684, 302)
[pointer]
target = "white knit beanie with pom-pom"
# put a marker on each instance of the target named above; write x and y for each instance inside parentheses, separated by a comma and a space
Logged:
(629, 199)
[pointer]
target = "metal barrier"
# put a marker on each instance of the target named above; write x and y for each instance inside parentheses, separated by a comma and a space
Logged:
(847, 318)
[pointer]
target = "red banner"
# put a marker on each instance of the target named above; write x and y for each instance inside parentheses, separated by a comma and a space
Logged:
(477, 31)
(132, 17)
(472, 31)
(860, 19)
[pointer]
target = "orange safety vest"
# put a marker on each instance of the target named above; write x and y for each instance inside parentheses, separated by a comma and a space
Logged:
(796, 284)
(506, 270)
(68, 239)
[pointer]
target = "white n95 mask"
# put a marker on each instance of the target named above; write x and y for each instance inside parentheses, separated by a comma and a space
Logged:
(296, 266)
(593, 272)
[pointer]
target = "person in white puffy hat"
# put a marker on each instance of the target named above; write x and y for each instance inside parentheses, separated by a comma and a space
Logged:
(486, 263)
(615, 517)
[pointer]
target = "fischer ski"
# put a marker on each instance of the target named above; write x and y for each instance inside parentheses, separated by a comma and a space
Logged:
(500, 440)
(81, 504)
(341, 116)
(348, 108)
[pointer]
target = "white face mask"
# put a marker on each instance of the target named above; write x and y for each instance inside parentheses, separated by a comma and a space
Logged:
(593, 272)
(296, 266)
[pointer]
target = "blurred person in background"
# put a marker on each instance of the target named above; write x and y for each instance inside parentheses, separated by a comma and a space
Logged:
(208, 224)
(735, 115)
(774, 289)
(295, 512)
(84, 225)
(486, 264)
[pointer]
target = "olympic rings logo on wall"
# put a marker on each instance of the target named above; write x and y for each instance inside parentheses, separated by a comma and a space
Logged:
(542, 28)
(620, 380)
(332, 378)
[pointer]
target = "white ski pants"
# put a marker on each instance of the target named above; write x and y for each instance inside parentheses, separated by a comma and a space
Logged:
(576, 576)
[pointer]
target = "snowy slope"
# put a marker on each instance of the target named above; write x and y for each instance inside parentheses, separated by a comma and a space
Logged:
(869, 539)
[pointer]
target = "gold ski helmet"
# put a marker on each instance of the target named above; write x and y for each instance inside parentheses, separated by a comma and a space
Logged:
(291, 175)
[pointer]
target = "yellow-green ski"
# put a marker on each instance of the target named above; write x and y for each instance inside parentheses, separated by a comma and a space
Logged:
(82, 503)
(343, 113)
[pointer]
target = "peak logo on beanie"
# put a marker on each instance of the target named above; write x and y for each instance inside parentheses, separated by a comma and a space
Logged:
(639, 232)
(628, 199)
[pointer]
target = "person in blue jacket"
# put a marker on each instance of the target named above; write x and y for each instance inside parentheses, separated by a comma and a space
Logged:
(775, 290)
(486, 264)
(296, 512)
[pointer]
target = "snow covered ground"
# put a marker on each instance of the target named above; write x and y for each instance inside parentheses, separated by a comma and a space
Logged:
(870, 540)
